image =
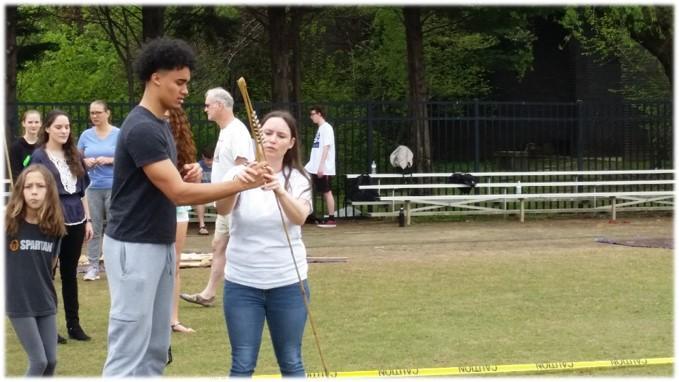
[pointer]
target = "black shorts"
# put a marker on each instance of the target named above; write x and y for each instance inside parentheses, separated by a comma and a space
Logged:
(321, 184)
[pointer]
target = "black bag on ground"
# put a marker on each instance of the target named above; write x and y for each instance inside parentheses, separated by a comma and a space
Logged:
(358, 195)
(466, 179)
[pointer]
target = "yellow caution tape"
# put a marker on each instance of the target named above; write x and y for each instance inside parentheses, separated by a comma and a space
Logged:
(487, 368)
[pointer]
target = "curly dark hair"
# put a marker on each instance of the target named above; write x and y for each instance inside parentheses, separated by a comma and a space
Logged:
(163, 54)
(183, 137)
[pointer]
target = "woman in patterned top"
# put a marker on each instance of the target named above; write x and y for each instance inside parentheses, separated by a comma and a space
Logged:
(57, 151)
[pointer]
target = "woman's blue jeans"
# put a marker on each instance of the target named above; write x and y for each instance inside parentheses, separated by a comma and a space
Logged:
(245, 309)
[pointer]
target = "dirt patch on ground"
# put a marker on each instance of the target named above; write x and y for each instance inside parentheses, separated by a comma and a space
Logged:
(385, 240)
(377, 238)
(667, 243)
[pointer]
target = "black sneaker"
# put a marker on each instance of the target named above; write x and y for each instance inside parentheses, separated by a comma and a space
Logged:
(77, 333)
(328, 223)
(169, 355)
(311, 219)
(61, 340)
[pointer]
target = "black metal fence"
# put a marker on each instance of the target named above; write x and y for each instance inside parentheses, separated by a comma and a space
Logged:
(465, 136)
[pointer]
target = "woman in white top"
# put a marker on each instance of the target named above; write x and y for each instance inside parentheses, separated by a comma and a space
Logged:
(261, 280)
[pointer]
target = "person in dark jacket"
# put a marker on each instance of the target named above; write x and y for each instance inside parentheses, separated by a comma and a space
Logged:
(57, 151)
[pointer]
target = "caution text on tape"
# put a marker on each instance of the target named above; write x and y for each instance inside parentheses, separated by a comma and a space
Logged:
(488, 368)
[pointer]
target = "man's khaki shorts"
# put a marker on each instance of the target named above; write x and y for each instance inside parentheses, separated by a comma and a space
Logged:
(222, 225)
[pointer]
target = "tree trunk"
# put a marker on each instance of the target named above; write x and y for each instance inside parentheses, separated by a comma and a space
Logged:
(153, 22)
(659, 40)
(417, 89)
(11, 121)
(295, 25)
(152, 26)
(279, 51)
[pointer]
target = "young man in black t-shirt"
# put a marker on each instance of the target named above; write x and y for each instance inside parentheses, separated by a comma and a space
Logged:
(139, 241)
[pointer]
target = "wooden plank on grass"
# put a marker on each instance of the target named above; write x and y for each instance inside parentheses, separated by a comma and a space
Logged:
(198, 260)
(326, 259)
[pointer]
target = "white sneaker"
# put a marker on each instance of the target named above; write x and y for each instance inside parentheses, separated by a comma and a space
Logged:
(91, 275)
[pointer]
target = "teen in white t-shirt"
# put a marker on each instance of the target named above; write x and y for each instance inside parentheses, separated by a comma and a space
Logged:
(321, 164)
(261, 279)
(325, 136)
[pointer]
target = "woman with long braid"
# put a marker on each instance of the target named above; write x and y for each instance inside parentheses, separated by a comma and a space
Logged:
(186, 154)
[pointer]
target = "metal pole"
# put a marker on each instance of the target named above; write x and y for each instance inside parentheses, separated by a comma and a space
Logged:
(580, 137)
(370, 158)
(477, 136)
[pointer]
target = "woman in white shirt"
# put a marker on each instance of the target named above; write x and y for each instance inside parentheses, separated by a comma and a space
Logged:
(261, 280)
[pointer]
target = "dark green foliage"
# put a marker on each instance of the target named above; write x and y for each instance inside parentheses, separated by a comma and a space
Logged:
(640, 37)
(348, 53)
(27, 30)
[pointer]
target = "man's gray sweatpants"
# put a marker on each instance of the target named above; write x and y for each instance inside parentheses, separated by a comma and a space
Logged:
(141, 281)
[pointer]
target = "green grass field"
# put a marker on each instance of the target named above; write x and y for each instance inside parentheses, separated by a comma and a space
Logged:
(441, 294)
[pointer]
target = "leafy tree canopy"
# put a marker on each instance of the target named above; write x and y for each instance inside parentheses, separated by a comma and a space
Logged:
(347, 53)
(84, 67)
(639, 37)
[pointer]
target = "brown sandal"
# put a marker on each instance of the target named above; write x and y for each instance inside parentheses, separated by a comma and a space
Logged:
(178, 327)
(197, 299)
